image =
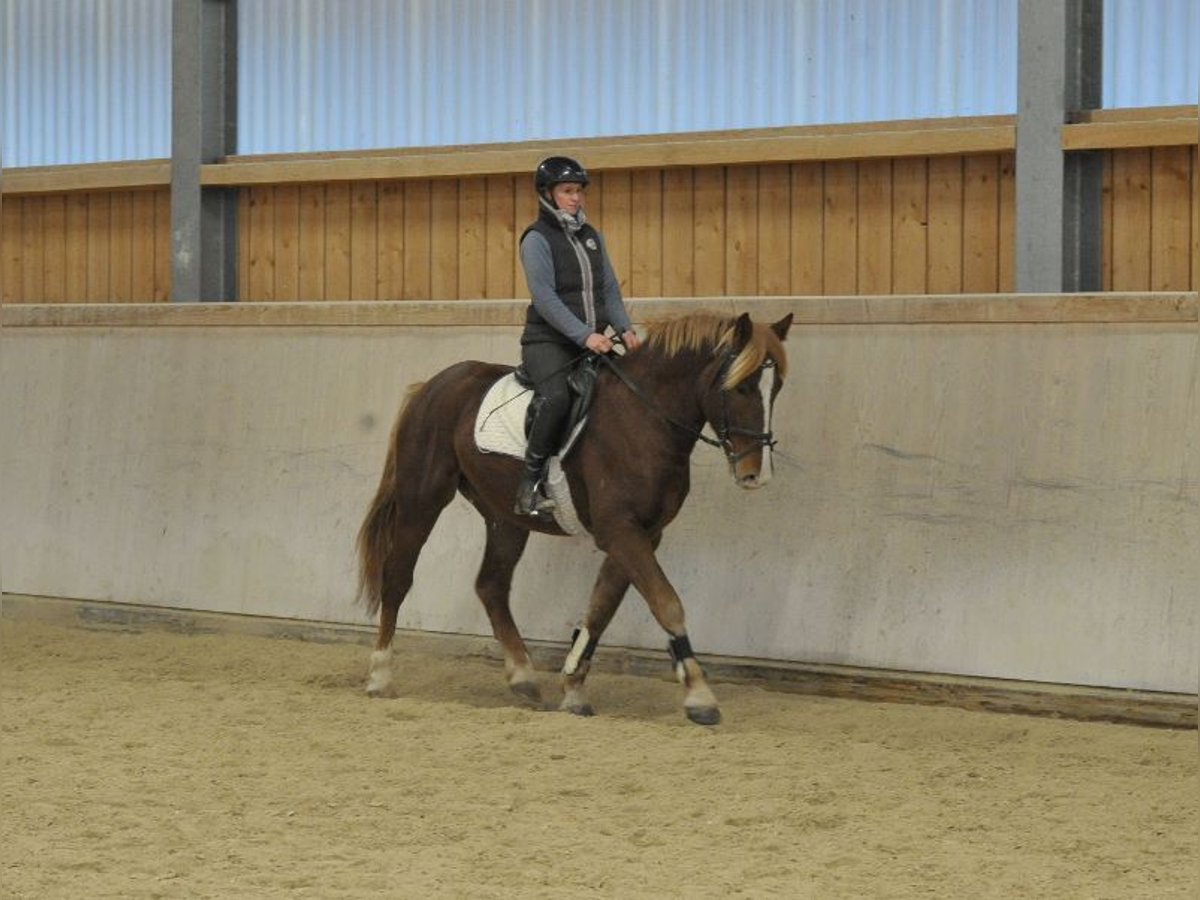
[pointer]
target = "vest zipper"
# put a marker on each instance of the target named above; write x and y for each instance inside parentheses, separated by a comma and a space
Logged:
(588, 287)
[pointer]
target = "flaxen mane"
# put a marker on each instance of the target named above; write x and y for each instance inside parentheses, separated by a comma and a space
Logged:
(708, 332)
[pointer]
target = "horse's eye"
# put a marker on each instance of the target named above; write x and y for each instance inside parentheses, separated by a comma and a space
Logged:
(745, 388)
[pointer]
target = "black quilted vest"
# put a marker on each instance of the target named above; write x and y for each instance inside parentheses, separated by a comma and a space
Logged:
(578, 277)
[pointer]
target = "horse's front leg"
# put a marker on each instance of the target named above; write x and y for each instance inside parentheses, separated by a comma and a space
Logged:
(607, 594)
(633, 550)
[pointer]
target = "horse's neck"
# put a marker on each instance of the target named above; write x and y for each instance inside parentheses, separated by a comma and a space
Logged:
(672, 385)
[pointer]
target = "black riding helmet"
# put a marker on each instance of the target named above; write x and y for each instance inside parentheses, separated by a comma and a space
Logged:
(557, 170)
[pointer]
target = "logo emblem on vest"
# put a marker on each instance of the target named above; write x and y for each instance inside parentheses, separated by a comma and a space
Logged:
(590, 243)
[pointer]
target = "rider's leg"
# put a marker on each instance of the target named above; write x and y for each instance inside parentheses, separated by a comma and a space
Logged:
(548, 364)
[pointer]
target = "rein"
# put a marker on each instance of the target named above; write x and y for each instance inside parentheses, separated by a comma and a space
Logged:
(724, 432)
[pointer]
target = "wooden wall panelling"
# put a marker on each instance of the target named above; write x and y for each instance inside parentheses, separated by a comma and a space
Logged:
(808, 228)
(390, 274)
(1170, 218)
(1106, 223)
(741, 230)
(11, 238)
(981, 224)
(162, 244)
(774, 229)
(646, 233)
(678, 224)
(910, 223)
(144, 248)
(121, 247)
(615, 224)
(1195, 219)
(287, 242)
(500, 248)
(260, 244)
(874, 261)
(337, 241)
(75, 247)
(416, 239)
(1006, 235)
(364, 244)
(708, 222)
(242, 266)
(54, 223)
(1131, 220)
(841, 228)
(473, 236)
(945, 225)
(33, 250)
(311, 273)
(98, 247)
(443, 239)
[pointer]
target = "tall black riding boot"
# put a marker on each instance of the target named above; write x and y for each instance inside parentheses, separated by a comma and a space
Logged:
(531, 500)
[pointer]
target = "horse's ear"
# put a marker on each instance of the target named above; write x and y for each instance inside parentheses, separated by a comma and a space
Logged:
(743, 330)
(781, 327)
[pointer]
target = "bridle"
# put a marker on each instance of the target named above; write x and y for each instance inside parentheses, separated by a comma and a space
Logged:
(724, 431)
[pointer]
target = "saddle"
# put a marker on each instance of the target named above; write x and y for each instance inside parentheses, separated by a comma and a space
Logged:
(582, 382)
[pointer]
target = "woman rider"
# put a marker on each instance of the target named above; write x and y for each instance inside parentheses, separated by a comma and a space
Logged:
(575, 299)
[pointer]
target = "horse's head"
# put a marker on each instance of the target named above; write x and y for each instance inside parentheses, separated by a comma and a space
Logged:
(743, 381)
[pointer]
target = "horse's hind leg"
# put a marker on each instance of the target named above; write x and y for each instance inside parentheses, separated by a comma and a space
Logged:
(505, 544)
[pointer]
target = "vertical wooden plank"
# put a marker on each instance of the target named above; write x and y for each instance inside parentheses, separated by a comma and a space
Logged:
(416, 240)
(1170, 218)
(945, 224)
(910, 223)
(11, 210)
(443, 239)
(98, 252)
(678, 268)
(875, 226)
(76, 263)
(500, 238)
(337, 241)
(841, 228)
(121, 243)
(287, 242)
(1131, 220)
(808, 228)
(774, 229)
(741, 230)
(364, 244)
(312, 242)
(472, 238)
(391, 241)
(1006, 237)
(260, 266)
(141, 263)
(162, 245)
(981, 224)
(55, 259)
(243, 244)
(645, 232)
(33, 251)
(616, 187)
(709, 230)
(1195, 198)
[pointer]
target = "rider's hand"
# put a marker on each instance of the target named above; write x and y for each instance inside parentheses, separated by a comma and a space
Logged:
(598, 343)
(631, 340)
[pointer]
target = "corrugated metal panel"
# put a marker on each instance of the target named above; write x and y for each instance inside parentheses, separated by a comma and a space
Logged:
(1151, 52)
(88, 80)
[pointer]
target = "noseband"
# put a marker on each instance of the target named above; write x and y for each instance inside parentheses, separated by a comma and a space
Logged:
(725, 432)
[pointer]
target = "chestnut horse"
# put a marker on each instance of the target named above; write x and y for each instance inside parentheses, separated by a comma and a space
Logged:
(628, 477)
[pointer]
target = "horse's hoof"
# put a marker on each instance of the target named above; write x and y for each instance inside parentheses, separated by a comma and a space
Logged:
(704, 715)
(578, 709)
(375, 693)
(527, 690)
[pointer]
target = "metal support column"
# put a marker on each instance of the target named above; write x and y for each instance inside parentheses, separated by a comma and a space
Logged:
(203, 129)
(1058, 195)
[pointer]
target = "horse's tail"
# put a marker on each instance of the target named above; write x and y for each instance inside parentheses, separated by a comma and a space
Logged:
(379, 527)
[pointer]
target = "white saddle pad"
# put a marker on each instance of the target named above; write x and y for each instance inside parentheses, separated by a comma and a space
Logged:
(500, 428)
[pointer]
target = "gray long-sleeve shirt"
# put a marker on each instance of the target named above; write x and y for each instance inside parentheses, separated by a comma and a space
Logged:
(538, 262)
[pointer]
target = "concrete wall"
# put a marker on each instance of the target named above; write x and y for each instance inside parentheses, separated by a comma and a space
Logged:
(1012, 500)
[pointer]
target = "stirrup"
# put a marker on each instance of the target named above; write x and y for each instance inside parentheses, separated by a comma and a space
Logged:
(531, 501)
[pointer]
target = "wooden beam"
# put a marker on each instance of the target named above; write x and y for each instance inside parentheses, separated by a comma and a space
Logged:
(1166, 308)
